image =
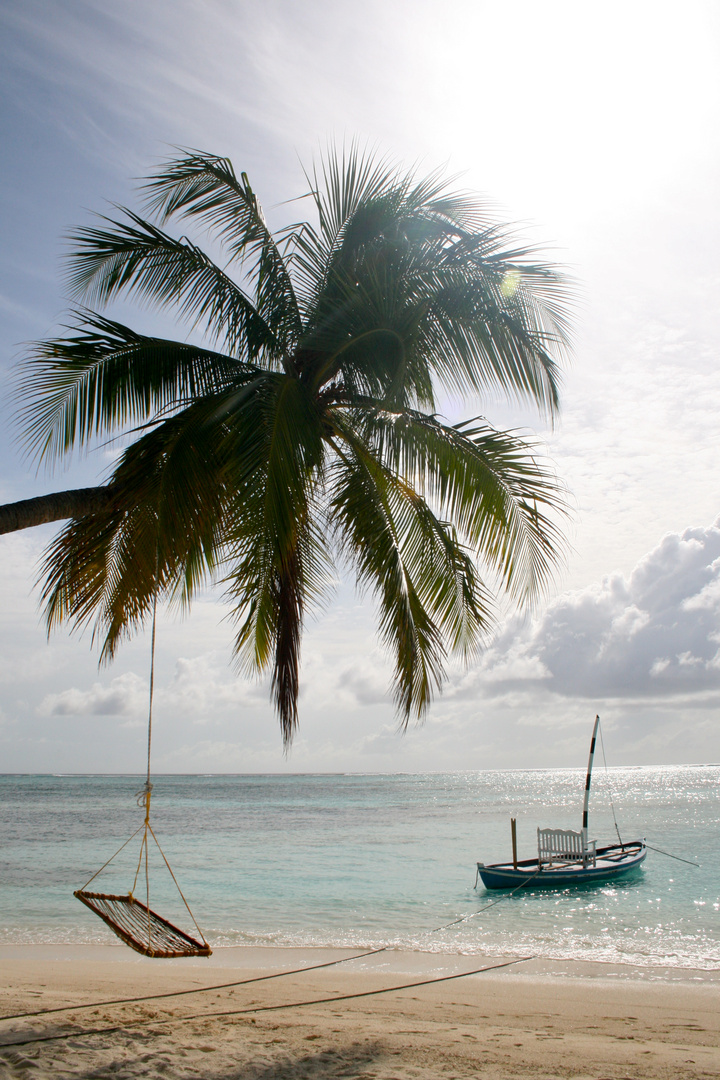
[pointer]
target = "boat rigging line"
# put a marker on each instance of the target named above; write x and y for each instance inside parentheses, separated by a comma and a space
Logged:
(612, 804)
(617, 830)
(671, 856)
(492, 903)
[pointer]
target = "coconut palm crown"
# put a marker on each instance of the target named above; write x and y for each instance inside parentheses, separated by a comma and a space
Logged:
(302, 437)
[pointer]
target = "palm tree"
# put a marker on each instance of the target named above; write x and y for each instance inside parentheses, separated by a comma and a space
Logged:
(302, 435)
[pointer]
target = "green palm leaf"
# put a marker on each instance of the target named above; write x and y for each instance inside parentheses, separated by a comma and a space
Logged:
(205, 187)
(137, 256)
(161, 531)
(106, 376)
(504, 500)
(280, 560)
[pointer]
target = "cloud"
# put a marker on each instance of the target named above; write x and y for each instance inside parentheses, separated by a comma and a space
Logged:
(125, 696)
(366, 682)
(656, 633)
(199, 689)
(203, 685)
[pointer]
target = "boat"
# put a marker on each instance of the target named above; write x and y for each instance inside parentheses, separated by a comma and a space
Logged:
(565, 857)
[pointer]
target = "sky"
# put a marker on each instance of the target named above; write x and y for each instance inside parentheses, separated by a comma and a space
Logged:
(592, 127)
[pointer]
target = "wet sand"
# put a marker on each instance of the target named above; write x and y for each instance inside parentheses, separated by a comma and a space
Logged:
(533, 1019)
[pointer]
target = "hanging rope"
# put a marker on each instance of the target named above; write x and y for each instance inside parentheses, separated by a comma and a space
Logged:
(143, 796)
(148, 785)
(145, 793)
(121, 848)
(612, 804)
(131, 919)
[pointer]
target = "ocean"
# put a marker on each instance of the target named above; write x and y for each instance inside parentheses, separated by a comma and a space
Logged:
(365, 861)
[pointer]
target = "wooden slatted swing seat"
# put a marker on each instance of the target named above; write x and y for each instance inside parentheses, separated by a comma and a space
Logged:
(140, 927)
(133, 921)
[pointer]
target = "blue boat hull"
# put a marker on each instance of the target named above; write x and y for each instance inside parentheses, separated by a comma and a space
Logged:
(611, 862)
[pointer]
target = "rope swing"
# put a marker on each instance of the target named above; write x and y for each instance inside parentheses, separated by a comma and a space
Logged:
(133, 921)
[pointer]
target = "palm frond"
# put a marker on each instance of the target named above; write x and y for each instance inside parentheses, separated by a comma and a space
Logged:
(344, 179)
(105, 376)
(137, 256)
(501, 495)
(206, 187)
(161, 531)
(280, 560)
(425, 581)
(472, 309)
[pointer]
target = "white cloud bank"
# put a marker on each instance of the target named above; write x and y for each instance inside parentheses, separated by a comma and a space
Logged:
(654, 634)
(200, 686)
(125, 696)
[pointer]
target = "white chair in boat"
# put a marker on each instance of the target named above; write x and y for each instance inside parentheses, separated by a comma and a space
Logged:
(562, 846)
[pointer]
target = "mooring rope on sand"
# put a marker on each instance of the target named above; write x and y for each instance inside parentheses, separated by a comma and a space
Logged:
(145, 1022)
(192, 990)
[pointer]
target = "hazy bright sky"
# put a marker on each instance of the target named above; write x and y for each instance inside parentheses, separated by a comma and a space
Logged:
(594, 126)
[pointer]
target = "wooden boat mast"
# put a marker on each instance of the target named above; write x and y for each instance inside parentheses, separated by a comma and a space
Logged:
(587, 785)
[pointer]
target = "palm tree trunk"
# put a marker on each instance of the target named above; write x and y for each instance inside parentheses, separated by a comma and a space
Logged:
(53, 507)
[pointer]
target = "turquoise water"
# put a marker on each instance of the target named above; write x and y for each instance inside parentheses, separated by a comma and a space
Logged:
(370, 860)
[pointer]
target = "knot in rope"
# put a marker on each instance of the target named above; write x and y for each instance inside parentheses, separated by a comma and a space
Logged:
(143, 796)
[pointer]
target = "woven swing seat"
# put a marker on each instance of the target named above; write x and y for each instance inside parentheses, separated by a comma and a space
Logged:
(142, 928)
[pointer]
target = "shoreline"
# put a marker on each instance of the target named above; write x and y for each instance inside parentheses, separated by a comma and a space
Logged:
(362, 1018)
(393, 960)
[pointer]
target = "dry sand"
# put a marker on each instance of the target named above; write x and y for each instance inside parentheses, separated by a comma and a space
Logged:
(533, 1019)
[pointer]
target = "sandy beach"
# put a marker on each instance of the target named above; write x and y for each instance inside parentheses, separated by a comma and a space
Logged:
(534, 1019)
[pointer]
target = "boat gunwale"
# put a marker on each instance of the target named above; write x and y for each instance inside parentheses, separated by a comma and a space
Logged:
(633, 853)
